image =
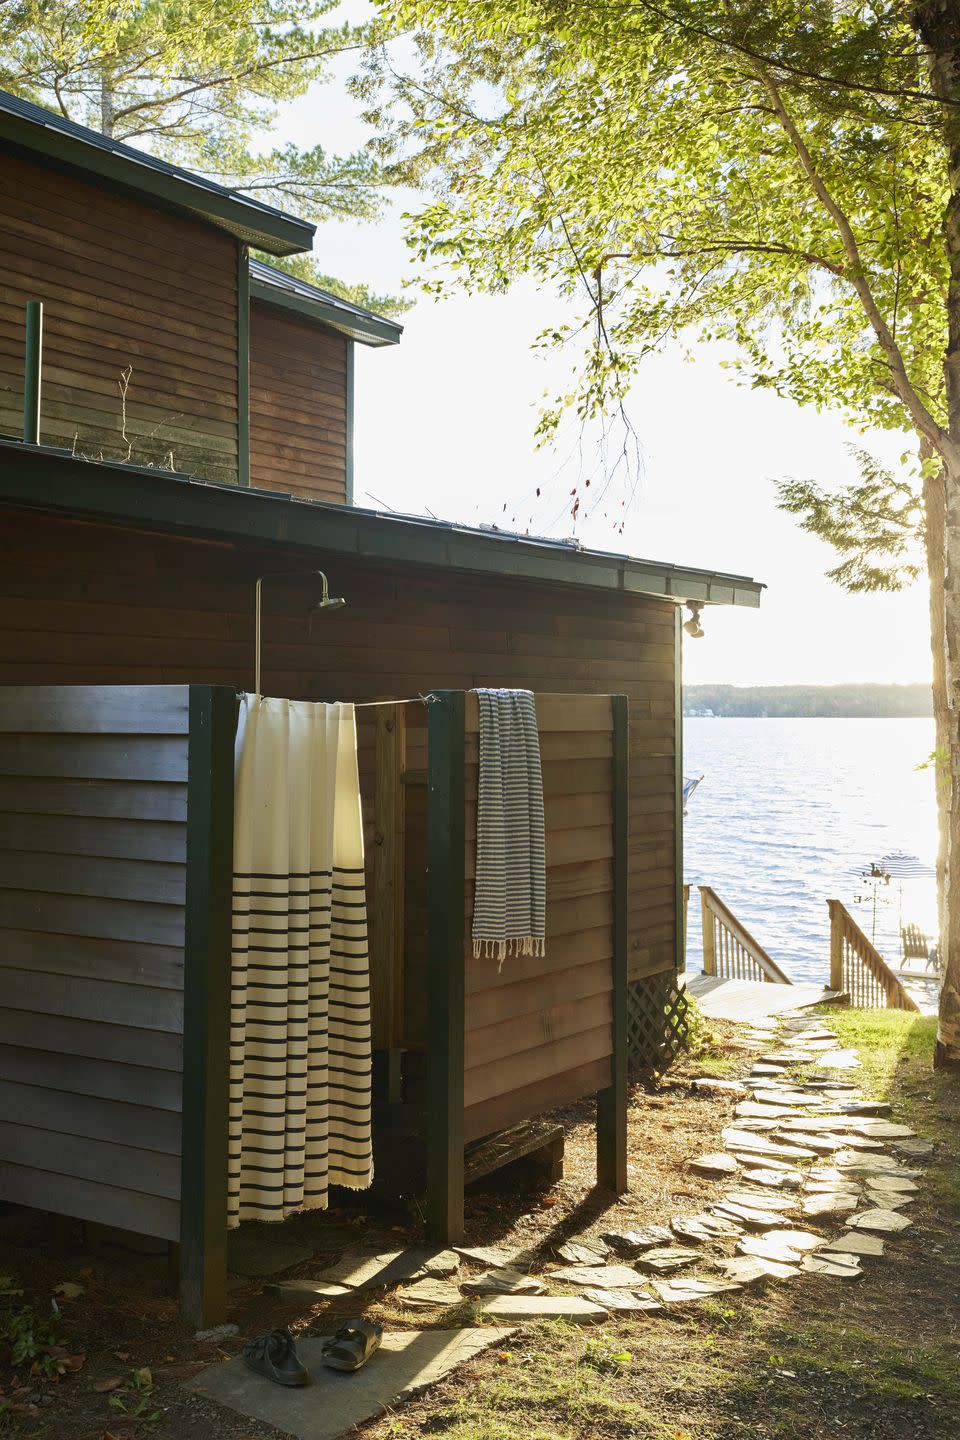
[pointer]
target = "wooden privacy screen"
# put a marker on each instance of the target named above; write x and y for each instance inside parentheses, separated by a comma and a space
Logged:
(93, 807)
(507, 1044)
(538, 1031)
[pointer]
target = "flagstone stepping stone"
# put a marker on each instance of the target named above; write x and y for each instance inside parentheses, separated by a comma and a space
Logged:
(882, 1130)
(759, 1200)
(887, 1199)
(918, 1148)
(704, 1227)
(715, 1165)
(684, 1291)
(749, 1269)
(816, 1124)
(581, 1252)
(743, 1140)
(753, 1218)
(406, 1362)
(865, 1107)
(762, 1070)
(839, 1060)
(840, 1186)
(839, 1089)
(775, 1179)
(894, 1184)
(361, 1272)
(632, 1242)
(576, 1308)
(710, 1082)
(623, 1302)
(253, 1254)
(667, 1258)
(828, 1262)
(820, 1144)
(503, 1282)
(793, 1099)
(758, 1124)
(307, 1292)
(777, 1245)
(752, 1110)
(837, 1202)
(430, 1291)
(879, 1221)
(601, 1277)
(486, 1254)
(854, 1162)
(857, 1243)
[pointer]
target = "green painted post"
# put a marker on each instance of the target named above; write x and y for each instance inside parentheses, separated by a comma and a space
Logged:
(612, 1102)
(206, 997)
(32, 367)
(243, 365)
(446, 902)
(351, 361)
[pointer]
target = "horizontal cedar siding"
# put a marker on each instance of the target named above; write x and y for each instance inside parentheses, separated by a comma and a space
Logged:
(92, 889)
(298, 406)
(83, 604)
(123, 285)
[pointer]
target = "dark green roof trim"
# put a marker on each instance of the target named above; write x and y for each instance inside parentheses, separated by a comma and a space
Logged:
(39, 478)
(33, 130)
(287, 292)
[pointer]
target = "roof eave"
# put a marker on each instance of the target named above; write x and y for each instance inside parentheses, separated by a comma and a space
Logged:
(268, 230)
(42, 479)
(372, 330)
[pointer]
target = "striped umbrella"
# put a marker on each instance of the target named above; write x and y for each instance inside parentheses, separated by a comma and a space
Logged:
(901, 866)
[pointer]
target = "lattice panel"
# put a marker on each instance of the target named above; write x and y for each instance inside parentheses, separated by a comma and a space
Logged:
(657, 1024)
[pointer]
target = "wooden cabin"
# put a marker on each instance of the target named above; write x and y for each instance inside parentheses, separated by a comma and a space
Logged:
(136, 524)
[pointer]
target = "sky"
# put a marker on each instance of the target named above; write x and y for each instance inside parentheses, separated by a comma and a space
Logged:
(444, 425)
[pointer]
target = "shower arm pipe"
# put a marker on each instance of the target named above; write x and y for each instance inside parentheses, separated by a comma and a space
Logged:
(257, 628)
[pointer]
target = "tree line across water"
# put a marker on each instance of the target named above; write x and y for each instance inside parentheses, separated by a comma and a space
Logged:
(853, 701)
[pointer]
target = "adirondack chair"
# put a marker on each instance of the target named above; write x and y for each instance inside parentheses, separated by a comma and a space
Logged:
(916, 946)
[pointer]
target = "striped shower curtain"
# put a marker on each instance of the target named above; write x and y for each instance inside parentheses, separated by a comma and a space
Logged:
(300, 1003)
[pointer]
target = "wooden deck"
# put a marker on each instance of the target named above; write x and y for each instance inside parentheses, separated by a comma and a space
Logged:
(723, 999)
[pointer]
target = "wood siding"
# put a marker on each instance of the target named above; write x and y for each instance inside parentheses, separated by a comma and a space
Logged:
(84, 604)
(298, 406)
(123, 285)
(92, 875)
(539, 1029)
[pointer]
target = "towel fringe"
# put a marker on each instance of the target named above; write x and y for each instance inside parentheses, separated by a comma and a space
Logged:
(533, 945)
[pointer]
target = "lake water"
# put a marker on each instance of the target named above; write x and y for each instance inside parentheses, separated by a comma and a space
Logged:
(789, 811)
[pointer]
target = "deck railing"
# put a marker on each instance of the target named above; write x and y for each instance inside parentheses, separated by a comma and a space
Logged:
(729, 950)
(859, 970)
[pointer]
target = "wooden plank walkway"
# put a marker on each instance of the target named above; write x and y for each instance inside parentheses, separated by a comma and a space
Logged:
(722, 999)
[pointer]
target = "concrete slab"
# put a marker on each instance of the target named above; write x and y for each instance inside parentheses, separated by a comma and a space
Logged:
(749, 1000)
(334, 1403)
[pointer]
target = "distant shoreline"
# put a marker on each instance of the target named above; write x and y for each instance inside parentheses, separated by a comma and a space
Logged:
(815, 702)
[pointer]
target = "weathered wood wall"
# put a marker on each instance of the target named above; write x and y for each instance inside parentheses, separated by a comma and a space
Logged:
(538, 1031)
(83, 604)
(92, 877)
(298, 406)
(123, 285)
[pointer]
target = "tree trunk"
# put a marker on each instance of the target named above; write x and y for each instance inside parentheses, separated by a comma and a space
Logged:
(934, 528)
(938, 25)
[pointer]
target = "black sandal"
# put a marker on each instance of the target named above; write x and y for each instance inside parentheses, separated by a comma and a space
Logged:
(275, 1356)
(352, 1345)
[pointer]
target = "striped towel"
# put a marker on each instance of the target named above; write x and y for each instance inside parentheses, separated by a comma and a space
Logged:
(509, 912)
(300, 989)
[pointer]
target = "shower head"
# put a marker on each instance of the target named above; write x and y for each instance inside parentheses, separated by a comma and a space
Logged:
(326, 601)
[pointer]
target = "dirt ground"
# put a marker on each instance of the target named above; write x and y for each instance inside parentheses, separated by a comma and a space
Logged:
(810, 1359)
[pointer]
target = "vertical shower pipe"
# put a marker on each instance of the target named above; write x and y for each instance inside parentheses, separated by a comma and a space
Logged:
(33, 361)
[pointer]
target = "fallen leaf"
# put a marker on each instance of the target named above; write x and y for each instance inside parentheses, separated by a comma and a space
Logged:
(68, 1290)
(102, 1387)
(121, 1355)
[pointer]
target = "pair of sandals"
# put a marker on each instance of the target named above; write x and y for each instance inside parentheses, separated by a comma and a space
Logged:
(275, 1355)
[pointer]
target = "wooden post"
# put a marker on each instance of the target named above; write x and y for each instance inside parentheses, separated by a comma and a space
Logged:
(206, 1002)
(836, 946)
(612, 1102)
(387, 927)
(446, 934)
(706, 926)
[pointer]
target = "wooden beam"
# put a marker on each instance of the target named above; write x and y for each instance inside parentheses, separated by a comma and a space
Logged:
(445, 967)
(206, 1028)
(612, 1101)
(387, 927)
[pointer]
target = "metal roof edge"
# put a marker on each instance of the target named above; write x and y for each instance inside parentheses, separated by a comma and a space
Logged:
(32, 129)
(350, 320)
(44, 479)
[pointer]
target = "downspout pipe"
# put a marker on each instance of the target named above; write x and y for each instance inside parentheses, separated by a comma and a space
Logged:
(33, 365)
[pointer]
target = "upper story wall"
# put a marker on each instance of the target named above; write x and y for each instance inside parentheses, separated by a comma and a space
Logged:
(126, 287)
(298, 405)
